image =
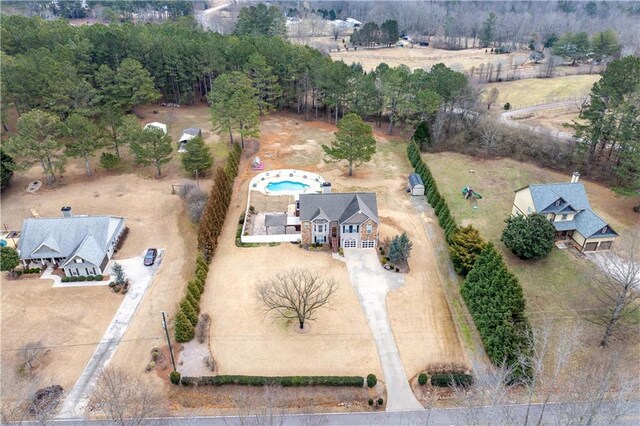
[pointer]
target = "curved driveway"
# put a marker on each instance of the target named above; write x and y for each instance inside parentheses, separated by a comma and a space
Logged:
(372, 283)
(506, 117)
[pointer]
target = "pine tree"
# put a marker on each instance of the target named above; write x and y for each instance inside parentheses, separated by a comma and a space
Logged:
(189, 311)
(354, 142)
(198, 157)
(183, 328)
(400, 248)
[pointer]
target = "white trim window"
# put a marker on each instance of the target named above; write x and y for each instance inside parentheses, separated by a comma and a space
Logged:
(369, 228)
(350, 243)
(369, 244)
(321, 239)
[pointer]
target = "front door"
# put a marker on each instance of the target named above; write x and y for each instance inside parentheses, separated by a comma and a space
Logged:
(334, 231)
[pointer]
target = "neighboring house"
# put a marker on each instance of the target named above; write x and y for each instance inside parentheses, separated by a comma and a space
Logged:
(340, 220)
(188, 134)
(81, 245)
(567, 207)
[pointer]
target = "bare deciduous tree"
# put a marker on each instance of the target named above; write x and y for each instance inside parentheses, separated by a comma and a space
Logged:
(264, 408)
(492, 97)
(30, 352)
(618, 286)
(296, 294)
(124, 399)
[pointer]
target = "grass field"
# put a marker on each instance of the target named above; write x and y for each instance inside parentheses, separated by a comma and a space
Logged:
(559, 287)
(532, 91)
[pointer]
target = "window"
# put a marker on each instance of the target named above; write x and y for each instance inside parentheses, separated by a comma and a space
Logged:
(321, 239)
(604, 230)
(564, 217)
(320, 228)
(369, 228)
(77, 260)
(306, 224)
(557, 203)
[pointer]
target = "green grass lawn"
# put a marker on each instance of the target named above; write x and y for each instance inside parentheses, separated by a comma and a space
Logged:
(561, 282)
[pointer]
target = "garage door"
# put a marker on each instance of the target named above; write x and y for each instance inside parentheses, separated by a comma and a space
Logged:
(590, 247)
(605, 245)
(369, 244)
(350, 244)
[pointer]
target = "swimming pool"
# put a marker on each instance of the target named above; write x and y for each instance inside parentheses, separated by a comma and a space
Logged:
(286, 185)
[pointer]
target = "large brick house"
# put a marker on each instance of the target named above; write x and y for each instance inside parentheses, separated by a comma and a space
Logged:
(568, 209)
(339, 220)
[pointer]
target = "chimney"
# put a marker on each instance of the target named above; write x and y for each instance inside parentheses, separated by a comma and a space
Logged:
(575, 177)
(326, 187)
(66, 211)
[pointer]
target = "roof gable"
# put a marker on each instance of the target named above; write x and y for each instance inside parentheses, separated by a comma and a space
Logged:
(89, 250)
(49, 243)
(338, 206)
(545, 195)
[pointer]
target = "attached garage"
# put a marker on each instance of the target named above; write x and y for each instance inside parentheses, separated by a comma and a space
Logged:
(350, 244)
(605, 245)
(369, 244)
(590, 247)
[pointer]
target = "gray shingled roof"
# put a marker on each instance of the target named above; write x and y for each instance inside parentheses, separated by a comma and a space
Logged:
(193, 131)
(544, 195)
(275, 220)
(339, 206)
(86, 236)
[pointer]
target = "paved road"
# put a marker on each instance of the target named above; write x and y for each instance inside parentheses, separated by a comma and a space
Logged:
(628, 414)
(140, 277)
(372, 283)
(507, 118)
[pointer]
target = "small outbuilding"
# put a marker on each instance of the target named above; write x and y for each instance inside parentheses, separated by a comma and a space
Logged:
(415, 185)
(157, 125)
(188, 134)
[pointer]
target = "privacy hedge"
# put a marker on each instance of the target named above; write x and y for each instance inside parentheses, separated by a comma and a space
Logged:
(491, 292)
(211, 224)
(446, 380)
(284, 381)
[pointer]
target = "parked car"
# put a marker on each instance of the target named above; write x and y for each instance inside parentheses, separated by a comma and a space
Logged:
(150, 257)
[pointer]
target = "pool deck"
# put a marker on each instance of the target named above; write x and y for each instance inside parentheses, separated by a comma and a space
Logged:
(261, 181)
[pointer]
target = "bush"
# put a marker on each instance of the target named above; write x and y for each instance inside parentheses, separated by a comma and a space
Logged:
(464, 248)
(507, 106)
(73, 279)
(90, 278)
(109, 160)
(380, 401)
(422, 379)
(194, 289)
(370, 401)
(64, 279)
(189, 311)
(98, 277)
(82, 278)
(371, 380)
(446, 380)
(121, 239)
(184, 328)
(196, 201)
(112, 284)
(284, 381)
(529, 237)
(175, 377)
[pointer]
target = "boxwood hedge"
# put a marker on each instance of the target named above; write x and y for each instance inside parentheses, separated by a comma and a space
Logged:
(284, 381)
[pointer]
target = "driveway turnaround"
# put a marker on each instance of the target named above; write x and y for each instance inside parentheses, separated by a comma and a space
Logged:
(140, 277)
(372, 283)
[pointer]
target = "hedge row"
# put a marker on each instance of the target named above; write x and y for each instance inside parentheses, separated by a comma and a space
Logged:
(210, 228)
(66, 279)
(494, 296)
(437, 201)
(447, 380)
(284, 381)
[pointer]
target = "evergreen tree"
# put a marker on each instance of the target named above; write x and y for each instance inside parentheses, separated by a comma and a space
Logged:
(152, 146)
(198, 157)
(422, 136)
(9, 259)
(128, 86)
(266, 84)
(84, 139)
(529, 237)
(6, 169)
(37, 141)
(183, 328)
(260, 20)
(354, 142)
(466, 245)
(189, 311)
(487, 35)
(400, 248)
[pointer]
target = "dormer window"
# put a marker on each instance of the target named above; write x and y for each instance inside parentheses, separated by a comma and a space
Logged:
(78, 260)
(557, 203)
(604, 230)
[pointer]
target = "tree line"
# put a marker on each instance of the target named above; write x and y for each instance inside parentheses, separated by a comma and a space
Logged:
(370, 34)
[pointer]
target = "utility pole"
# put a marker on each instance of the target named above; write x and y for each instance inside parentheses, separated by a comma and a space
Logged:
(166, 330)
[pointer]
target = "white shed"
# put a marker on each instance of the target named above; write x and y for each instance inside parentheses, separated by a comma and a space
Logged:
(415, 185)
(157, 125)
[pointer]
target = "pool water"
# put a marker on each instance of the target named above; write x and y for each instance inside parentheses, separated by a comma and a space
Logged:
(287, 185)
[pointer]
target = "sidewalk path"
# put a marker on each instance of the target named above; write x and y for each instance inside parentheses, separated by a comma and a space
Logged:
(372, 283)
(140, 277)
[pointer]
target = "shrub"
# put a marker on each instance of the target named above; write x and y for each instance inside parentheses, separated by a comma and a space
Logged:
(466, 244)
(174, 376)
(98, 277)
(186, 188)
(194, 289)
(380, 401)
(73, 279)
(90, 278)
(284, 381)
(446, 380)
(121, 239)
(196, 201)
(189, 311)
(202, 327)
(112, 284)
(192, 301)
(371, 380)
(109, 160)
(529, 237)
(507, 106)
(82, 278)
(241, 220)
(370, 401)
(64, 279)
(184, 328)
(422, 379)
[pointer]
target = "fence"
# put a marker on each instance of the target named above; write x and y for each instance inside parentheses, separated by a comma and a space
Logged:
(263, 239)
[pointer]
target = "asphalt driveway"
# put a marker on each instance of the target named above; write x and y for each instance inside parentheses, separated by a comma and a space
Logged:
(372, 283)
(140, 278)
